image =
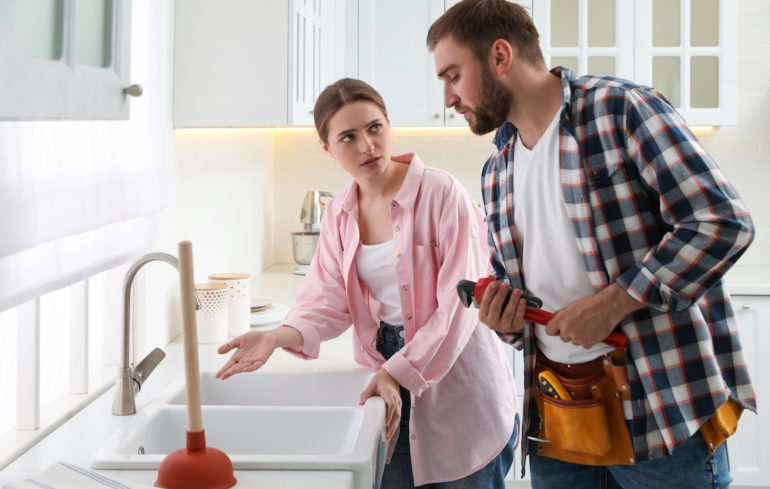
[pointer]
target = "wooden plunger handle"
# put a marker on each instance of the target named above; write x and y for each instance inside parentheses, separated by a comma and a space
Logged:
(190, 337)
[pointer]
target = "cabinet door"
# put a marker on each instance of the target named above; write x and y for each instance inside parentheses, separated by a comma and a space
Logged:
(687, 49)
(749, 459)
(593, 37)
(316, 49)
(64, 59)
(230, 63)
(394, 59)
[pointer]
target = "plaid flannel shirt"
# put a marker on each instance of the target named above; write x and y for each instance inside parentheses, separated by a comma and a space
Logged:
(652, 212)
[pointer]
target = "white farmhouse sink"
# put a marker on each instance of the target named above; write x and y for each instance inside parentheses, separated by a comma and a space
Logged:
(298, 420)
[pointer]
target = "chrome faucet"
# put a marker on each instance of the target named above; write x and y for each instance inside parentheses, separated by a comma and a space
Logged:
(128, 381)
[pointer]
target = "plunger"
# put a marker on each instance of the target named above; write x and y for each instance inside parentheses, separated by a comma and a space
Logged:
(196, 466)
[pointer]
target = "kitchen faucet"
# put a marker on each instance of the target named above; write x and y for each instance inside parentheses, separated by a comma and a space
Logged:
(128, 381)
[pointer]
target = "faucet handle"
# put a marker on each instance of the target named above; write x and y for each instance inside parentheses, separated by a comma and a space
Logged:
(144, 368)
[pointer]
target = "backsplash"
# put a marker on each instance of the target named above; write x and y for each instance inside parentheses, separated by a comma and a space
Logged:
(238, 193)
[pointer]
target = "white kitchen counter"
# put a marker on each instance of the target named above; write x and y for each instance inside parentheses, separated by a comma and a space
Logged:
(748, 280)
(79, 438)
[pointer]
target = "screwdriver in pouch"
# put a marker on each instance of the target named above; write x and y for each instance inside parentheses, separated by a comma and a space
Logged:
(551, 386)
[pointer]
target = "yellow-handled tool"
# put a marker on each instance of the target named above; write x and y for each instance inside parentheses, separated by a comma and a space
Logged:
(551, 386)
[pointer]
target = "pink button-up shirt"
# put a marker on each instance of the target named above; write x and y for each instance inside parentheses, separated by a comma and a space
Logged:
(463, 396)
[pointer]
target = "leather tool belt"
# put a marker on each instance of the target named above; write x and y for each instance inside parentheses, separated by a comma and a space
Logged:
(586, 426)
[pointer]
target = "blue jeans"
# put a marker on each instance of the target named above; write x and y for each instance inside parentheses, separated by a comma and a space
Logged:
(692, 465)
(398, 473)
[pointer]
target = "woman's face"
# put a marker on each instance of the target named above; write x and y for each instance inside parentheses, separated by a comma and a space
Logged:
(359, 139)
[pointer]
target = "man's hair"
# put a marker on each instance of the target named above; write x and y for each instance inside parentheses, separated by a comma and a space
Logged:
(338, 95)
(477, 24)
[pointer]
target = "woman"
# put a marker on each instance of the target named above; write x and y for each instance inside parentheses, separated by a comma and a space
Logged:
(393, 246)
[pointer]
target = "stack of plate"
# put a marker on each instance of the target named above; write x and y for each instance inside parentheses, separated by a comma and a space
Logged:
(265, 314)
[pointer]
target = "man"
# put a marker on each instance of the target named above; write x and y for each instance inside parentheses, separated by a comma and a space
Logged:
(602, 203)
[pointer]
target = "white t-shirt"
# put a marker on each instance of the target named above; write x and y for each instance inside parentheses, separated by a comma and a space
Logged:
(374, 264)
(552, 266)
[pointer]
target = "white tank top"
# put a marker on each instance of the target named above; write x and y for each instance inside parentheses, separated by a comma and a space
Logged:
(375, 267)
(552, 265)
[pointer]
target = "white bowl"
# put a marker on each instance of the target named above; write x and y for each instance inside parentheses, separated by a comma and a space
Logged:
(303, 245)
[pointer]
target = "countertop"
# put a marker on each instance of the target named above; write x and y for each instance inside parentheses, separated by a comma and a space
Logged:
(80, 437)
(748, 280)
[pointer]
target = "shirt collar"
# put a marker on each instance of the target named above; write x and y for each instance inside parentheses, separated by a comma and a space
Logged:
(504, 136)
(407, 194)
(567, 79)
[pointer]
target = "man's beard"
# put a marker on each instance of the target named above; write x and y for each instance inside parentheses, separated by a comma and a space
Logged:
(497, 101)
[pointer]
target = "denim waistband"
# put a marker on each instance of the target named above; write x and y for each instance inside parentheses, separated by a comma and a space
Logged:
(390, 339)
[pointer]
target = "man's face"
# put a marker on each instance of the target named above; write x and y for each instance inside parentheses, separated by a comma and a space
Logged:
(471, 87)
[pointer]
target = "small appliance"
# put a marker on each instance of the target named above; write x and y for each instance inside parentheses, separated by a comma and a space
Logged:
(304, 243)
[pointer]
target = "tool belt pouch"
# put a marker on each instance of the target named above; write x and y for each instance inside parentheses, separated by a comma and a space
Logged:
(722, 424)
(590, 429)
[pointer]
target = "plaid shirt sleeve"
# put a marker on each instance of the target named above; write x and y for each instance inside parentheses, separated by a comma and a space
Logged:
(501, 138)
(708, 224)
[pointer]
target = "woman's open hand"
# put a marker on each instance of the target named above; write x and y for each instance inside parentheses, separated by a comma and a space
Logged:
(385, 386)
(253, 350)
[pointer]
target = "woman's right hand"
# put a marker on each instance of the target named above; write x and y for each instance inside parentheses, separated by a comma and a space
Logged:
(385, 386)
(252, 351)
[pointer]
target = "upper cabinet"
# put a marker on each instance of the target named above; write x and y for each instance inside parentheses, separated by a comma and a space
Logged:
(263, 63)
(394, 59)
(687, 49)
(318, 52)
(65, 59)
(230, 63)
(246, 63)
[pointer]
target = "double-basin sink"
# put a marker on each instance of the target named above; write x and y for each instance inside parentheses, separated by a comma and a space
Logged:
(276, 420)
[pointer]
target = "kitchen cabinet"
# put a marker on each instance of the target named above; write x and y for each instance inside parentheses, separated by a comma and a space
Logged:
(65, 60)
(318, 51)
(687, 49)
(241, 63)
(393, 57)
(230, 63)
(748, 449)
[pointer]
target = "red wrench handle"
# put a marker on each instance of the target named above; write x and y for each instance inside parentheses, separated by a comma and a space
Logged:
(615, 339)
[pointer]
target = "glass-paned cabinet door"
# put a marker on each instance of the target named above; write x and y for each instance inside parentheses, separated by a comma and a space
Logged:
(687, 49)
(64, 59)
(590, 37)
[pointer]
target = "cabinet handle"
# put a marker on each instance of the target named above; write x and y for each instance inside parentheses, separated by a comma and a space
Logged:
(746, 307)
(134, 90)
(451, 116)
(436, 116)
(310, 112)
